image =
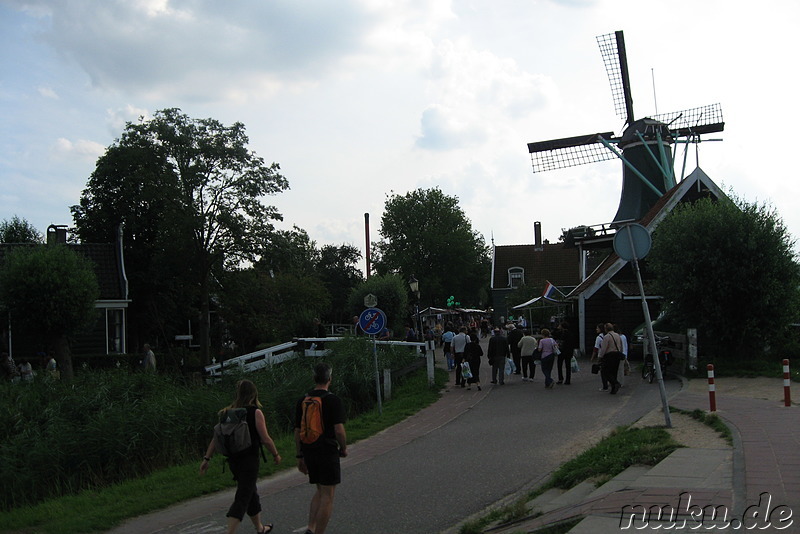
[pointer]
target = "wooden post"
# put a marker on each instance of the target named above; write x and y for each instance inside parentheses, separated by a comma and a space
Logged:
(429, 353)
(387, 384)
(711, 388)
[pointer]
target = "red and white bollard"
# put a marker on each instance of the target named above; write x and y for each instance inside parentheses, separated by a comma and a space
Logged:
(787, 381)
(711, 388)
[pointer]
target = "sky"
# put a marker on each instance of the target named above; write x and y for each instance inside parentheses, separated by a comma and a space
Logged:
(361, 99)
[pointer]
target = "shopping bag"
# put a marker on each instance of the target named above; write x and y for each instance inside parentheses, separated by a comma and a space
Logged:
(466, 372)
(574, 364)
(510, 367)
(626, 367)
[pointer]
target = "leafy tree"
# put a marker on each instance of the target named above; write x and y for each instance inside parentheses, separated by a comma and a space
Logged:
(728, 268)
(201, 186)
(426, 234)
(50, 290)
(18, 230)
(392, 294)
(338, 271)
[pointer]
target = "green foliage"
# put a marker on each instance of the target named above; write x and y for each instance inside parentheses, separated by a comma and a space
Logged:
(728, 268)
(191, 193)
(112, 425)
(425, 233)
(392, 294)
(18, 230)
(50, 290)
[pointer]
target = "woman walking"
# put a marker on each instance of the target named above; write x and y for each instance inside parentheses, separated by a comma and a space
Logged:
(546, 345)
(472, 354)
(244, 465)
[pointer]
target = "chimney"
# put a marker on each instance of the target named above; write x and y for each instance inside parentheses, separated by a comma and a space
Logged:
(537, 236)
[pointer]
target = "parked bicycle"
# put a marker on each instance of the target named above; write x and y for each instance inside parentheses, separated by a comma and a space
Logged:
(664, 358)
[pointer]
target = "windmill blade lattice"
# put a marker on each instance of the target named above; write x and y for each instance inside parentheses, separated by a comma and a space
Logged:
(569, 151)
(615, 59)
(693, 122)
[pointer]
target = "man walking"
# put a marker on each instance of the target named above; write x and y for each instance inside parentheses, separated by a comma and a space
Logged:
(497, 353)
(458, 345)
(320, 459)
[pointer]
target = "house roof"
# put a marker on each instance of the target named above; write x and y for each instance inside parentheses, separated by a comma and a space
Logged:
(695, 186)
(107, 266)
(555, 263)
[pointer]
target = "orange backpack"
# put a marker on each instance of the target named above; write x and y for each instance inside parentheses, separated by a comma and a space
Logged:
(311, 426)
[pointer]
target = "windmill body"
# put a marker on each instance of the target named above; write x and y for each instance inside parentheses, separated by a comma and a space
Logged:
(645, 146)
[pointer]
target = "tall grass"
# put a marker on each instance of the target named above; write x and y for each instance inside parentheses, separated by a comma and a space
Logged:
(108, 426)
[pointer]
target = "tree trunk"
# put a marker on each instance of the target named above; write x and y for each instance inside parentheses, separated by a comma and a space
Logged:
(205, 321)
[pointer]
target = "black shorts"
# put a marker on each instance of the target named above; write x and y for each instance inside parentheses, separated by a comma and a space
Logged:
(323, 468)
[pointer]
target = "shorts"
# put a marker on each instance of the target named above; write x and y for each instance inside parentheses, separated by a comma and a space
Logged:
(323, 468)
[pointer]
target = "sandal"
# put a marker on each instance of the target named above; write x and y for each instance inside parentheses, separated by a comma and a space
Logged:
(267, 528)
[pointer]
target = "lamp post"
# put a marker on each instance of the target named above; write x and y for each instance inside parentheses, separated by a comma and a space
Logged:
(413, 284)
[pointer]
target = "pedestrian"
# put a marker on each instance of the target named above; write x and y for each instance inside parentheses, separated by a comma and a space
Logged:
(457, 346)
(598, 341)
(472, 354)
(497, 354)
(319, 332)
(26, 370)
(563, 336)
(626, 366)
(9, 368)
(513, 337)
(320, 460)
(244, 466)
(546, 345)
(610, 354)
(52, 367)
(447, 339)
(149, 359)
(527, 346)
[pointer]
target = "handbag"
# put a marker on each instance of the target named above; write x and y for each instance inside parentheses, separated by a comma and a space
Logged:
(595, 368)
(466, 372)
(556, 348)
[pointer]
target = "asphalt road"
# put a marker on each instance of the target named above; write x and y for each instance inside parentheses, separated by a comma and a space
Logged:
(511, 438)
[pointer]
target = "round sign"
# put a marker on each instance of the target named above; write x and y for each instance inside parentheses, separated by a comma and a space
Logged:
(370, 301)
(632, 241)
(372, 321)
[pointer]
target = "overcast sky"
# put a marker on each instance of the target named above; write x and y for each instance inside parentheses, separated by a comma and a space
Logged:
(356, 99)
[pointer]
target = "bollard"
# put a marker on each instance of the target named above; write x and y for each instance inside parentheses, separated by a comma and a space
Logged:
(711, 388)
(787, 382)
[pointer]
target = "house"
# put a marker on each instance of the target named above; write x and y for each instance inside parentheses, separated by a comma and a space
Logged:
(532, 266)
(109, 332)
(611, 292)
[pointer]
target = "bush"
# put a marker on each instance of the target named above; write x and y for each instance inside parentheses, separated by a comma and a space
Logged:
(105, 426)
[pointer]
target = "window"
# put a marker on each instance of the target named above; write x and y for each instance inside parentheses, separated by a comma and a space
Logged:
(516, 277)
(115, 332)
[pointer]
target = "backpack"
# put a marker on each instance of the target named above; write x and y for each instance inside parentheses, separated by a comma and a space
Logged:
(311, 425)
(232, 433)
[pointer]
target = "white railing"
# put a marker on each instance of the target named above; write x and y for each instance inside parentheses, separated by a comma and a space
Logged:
(287, 351)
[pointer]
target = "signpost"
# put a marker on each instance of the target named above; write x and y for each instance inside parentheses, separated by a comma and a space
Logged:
(372, 322)
(631, 243)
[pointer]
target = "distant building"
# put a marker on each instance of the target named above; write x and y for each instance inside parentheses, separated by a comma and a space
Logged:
(109, 332)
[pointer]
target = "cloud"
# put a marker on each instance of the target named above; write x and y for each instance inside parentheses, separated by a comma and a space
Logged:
(48, 92)
(475, 92)
(118, 118)
(82, 148)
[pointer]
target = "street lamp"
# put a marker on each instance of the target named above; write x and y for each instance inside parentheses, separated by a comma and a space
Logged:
(413, 284)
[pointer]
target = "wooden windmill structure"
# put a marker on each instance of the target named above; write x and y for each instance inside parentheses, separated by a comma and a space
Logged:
(645, 145)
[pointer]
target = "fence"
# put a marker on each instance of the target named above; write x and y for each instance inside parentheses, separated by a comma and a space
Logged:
(306, 347)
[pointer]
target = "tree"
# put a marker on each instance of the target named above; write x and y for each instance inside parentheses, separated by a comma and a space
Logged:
(201, 188)
(392, 294)
(18, 230)
(728, 268)
(50, 290)
(426, 234)
(337, 270)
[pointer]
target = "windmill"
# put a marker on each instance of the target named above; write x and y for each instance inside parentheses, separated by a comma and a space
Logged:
(645, 146)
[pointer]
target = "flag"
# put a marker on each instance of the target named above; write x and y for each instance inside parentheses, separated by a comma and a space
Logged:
(550, 292)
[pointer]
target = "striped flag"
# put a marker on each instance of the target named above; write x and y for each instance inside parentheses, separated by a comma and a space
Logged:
(550, 292)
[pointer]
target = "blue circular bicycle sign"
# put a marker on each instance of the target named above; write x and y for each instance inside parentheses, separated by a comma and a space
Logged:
(372, 321)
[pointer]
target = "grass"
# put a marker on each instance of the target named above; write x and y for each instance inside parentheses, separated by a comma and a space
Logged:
(100, 510)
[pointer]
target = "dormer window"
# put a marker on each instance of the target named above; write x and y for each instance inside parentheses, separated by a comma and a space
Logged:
(516, 277)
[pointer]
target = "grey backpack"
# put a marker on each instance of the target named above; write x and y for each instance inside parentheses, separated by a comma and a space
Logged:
(232, 433)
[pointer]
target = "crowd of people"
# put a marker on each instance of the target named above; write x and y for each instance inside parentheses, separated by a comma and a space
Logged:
(514, 349)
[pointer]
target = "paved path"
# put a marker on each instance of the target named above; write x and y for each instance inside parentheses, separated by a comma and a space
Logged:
(450, 461)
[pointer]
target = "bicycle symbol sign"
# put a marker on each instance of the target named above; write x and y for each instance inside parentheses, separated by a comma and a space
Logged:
(372, 321)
